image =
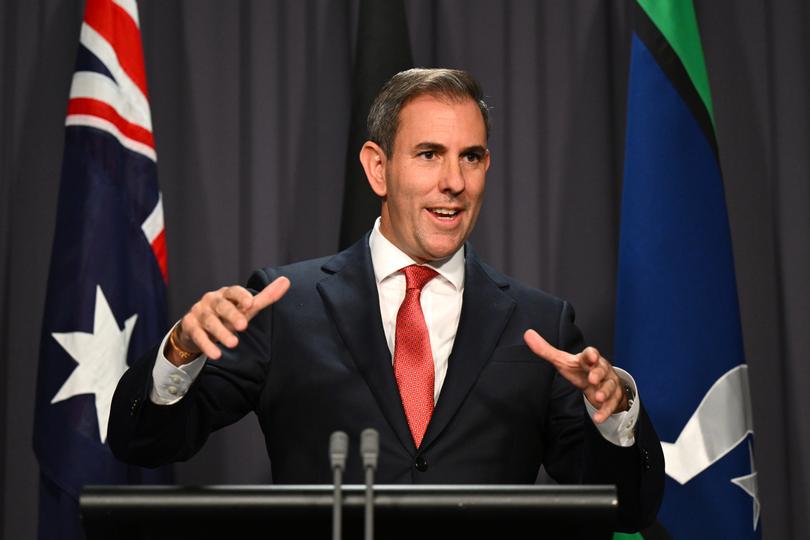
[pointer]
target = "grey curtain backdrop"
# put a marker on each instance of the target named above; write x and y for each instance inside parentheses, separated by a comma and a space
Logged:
(250, 103)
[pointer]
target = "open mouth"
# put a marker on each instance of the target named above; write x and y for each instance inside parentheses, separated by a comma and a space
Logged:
(444, 214)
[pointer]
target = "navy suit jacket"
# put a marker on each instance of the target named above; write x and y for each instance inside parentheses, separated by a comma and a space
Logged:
(317, 361)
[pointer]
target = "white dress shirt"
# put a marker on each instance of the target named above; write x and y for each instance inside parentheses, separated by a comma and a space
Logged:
(441, 300)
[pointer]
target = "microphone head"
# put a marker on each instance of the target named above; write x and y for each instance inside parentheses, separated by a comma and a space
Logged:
(338, 449)
(370, 447)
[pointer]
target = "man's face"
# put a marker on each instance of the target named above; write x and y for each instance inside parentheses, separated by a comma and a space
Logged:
(434, 180)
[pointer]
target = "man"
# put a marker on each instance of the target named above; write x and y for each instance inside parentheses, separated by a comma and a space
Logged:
(406, 332)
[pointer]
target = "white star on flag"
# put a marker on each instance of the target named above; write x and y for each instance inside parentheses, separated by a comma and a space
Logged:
(102, 359)
(748, 483)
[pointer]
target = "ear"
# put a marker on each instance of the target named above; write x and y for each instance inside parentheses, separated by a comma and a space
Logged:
(373, 160)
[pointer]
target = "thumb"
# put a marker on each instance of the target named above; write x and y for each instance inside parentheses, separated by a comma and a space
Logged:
(543, 349)
(269, 295)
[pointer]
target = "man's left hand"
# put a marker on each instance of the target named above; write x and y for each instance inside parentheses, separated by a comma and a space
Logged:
(589, 371)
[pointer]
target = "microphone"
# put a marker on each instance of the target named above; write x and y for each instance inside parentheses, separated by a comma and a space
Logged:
(370, 451)
(338, 450)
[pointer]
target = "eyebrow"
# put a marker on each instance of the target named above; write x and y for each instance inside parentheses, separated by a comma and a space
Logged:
(440, 148)
(436, 147)
(477, 149)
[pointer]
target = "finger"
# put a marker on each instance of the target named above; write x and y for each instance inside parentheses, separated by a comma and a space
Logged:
(217, 331)
(269, 295)
(605, 390)
(589, 357)
(239, 296)
(597, 374)
(203, 342)
(229, 314)
(608, 407)
(543, 349)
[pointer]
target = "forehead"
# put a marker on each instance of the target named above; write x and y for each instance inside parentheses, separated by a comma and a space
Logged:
(440, 119)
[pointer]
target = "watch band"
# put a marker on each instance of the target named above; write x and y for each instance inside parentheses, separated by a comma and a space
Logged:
(630, 395)
(181, 352)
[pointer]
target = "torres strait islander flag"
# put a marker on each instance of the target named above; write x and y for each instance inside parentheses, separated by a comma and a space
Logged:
(677, 317)
(106, 296)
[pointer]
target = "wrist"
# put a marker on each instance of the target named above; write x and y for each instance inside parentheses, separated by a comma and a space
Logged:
(628, 397)
(176, 352)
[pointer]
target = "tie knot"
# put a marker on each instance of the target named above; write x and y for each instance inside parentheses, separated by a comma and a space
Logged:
(417, 276)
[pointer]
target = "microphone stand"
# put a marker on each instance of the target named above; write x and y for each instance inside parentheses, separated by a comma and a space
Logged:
(370, 450)
(338, 450)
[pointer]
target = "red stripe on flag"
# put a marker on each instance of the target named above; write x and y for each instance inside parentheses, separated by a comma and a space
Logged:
(118, 28)
(159, 249)
(94, 107)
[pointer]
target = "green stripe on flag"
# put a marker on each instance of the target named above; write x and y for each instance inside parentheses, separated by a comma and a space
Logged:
(677, 21)
(627, 536)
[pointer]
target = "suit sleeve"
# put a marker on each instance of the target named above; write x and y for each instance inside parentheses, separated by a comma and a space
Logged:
(150, 435)
(577, 452)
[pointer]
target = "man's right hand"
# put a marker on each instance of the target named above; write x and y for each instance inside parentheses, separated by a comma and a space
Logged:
(217, 317)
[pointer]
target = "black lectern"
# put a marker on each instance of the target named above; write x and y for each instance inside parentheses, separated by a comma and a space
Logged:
(401, 511)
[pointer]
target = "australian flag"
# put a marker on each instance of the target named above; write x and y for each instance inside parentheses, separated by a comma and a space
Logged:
(106, 296)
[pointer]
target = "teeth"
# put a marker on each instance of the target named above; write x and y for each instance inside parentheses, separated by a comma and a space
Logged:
(444, 211)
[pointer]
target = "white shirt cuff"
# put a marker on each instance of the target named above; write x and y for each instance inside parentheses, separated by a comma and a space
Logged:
(169, 382)
(619, 428)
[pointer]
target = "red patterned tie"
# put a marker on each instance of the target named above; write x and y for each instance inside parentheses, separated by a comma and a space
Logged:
(413, 359)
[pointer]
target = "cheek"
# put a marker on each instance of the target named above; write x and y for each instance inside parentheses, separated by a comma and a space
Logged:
(412, 198)
(476, 191)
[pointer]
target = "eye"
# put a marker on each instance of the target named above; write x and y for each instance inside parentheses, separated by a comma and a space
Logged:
(427, 154)
(472, 157)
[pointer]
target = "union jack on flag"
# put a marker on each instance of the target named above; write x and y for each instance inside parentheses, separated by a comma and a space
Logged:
(106, 296)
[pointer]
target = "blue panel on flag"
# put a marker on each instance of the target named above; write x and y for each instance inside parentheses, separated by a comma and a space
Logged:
(87, 61)
(98, 242)
(676, 284)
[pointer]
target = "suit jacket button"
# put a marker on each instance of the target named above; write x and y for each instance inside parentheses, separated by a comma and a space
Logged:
(421, 464)
(134, 407)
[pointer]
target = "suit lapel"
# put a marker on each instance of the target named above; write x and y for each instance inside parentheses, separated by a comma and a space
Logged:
(485, 311)
(350, 294)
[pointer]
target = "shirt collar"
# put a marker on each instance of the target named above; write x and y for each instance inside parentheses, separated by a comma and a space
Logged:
(387, 259)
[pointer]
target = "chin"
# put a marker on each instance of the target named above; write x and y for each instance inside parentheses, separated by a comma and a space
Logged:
(443, 251)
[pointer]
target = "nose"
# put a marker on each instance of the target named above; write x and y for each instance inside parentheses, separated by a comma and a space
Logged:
(452, 179)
